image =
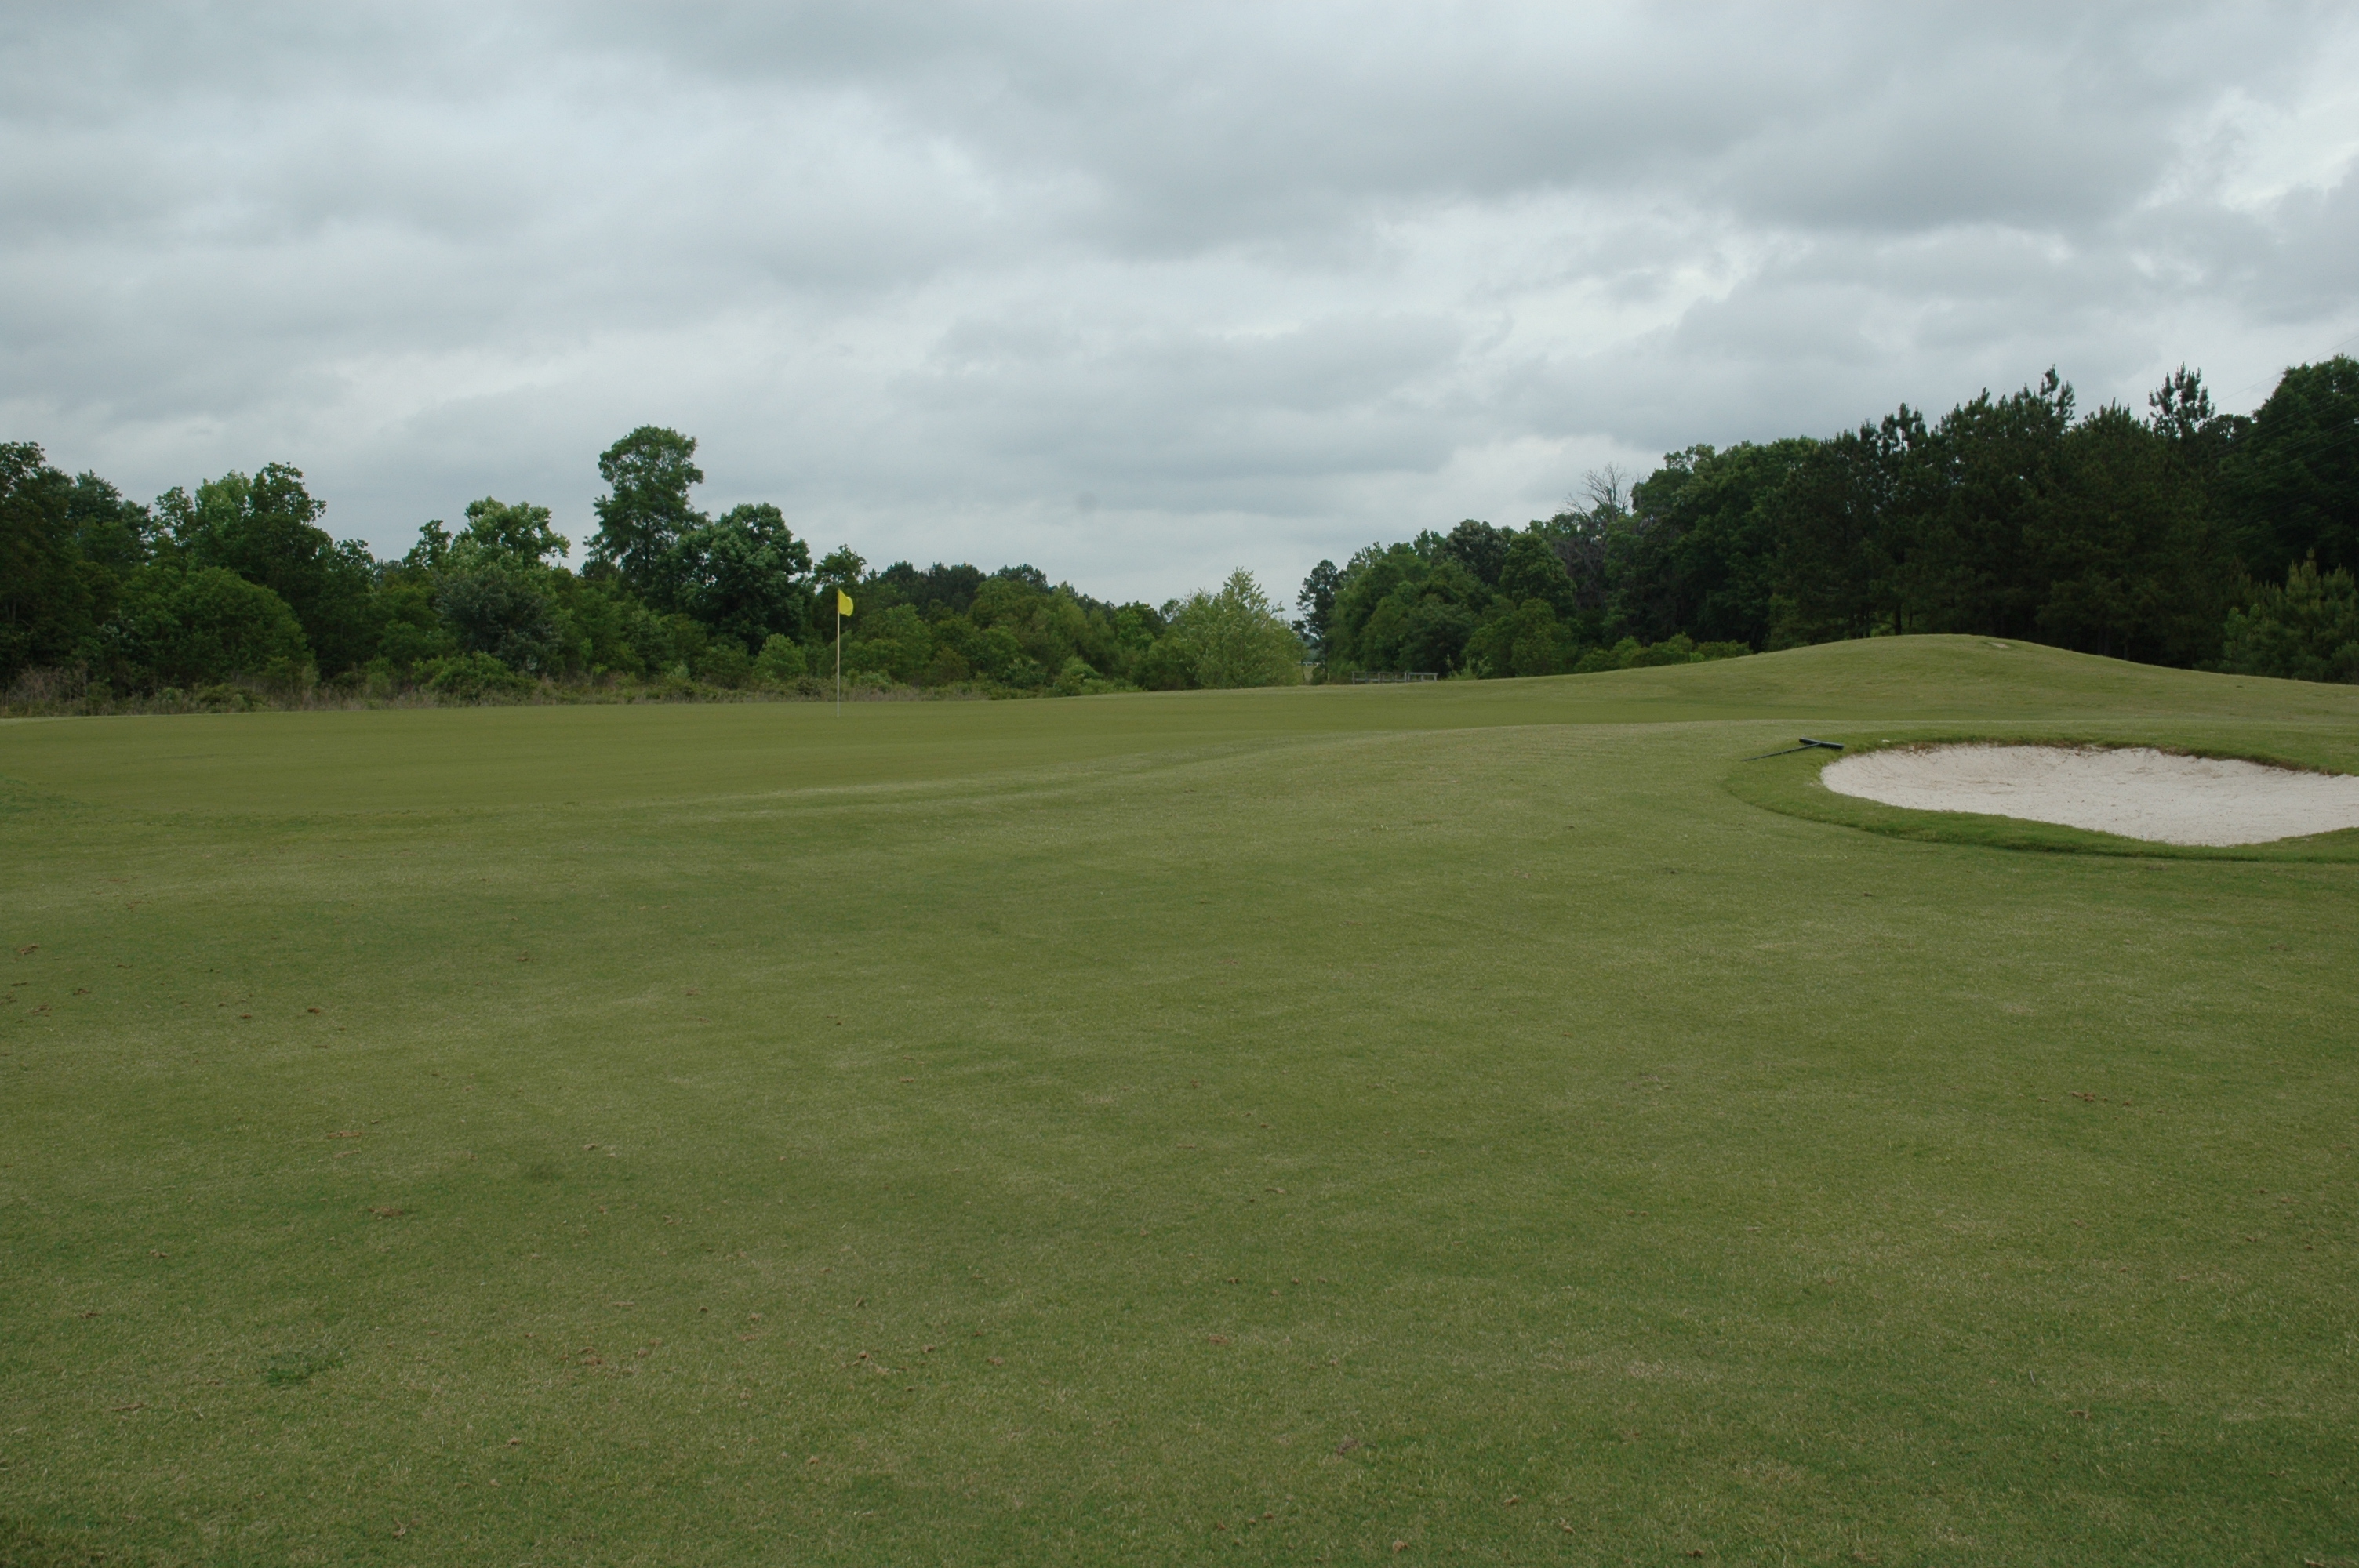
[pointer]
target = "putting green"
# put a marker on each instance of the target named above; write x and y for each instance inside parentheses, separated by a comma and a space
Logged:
(1379, 1124)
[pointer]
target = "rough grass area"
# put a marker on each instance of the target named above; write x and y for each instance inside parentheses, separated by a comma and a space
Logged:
(1377, 1125)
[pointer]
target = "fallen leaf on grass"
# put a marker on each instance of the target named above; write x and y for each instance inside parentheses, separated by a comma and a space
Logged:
(354, 1134)
(1348, 1445)
(1217, 1338)
(126, 1410)
(388, 1213)
(28, 950)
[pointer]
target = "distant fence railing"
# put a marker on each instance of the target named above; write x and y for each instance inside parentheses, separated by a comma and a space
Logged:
(1389, 677)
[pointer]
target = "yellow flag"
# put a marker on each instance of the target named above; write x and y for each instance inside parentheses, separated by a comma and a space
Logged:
(842, 602)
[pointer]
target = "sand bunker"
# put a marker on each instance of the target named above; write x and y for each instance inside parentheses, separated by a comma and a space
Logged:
(2137, 792)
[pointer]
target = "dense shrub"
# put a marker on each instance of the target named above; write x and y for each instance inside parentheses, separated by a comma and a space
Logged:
(2308, 630)
(471, 678)
(205, 627)
(782, 661)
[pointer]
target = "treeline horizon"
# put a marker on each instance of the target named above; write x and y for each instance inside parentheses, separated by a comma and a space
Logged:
(2179, 536)
(2182, 536)
(234, 594)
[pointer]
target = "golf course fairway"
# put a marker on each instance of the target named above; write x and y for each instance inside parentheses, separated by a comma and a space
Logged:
(1477, 1122)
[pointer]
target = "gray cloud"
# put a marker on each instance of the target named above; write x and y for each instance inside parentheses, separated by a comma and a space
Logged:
(1263, 282)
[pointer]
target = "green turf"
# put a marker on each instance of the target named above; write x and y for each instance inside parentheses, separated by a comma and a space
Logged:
(1256, 1127)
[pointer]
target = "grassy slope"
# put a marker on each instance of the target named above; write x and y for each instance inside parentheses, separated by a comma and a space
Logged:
(1705, 1178)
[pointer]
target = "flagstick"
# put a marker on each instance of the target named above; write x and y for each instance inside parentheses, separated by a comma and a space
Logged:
(838, 657)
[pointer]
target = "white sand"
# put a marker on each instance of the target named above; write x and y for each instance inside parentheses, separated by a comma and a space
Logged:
(2137, 792)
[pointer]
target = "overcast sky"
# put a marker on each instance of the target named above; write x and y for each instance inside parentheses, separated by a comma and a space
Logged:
(1135, 292)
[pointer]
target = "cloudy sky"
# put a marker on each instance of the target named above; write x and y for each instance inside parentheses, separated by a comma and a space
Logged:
(1136, 293)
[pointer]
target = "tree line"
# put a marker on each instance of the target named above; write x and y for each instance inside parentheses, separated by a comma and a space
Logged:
(235, 594)
(2179, 536)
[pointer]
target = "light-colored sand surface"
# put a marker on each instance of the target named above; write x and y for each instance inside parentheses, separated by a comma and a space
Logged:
(2137, 792)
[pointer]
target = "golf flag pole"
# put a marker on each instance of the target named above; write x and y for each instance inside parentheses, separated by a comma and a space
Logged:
(843, 609)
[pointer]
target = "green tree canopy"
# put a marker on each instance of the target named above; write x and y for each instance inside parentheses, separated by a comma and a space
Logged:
(203, 625)
(1317, 604)
(2125, 548)
(46, 593)
(2291, 482)
(648, 474)
(1480, 548)
(1401, 608)
(510, 615)
(265, 528)
(1235, 636)
(516, 534)
(1528, 568)
(1699, 553)
(2308, 630)
(745, 575)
